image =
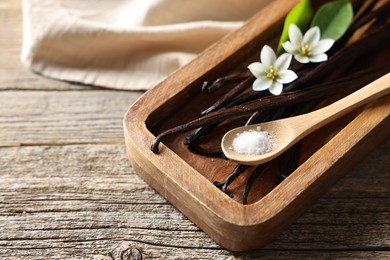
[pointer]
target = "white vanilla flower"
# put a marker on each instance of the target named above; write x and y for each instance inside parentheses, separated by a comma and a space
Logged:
(308, 47)
(272, 72)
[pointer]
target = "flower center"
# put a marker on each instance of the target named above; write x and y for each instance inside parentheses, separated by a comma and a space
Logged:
(272, 73)
(305, 49)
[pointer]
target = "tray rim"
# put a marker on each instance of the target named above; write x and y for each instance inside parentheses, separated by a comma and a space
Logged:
(233, 230)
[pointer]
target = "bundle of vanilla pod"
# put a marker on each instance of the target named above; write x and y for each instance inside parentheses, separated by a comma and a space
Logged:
(322, 53)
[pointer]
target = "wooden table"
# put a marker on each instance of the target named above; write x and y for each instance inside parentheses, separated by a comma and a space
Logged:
(68, 191)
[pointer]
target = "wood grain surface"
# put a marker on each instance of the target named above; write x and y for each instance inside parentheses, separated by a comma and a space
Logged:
(67, 190)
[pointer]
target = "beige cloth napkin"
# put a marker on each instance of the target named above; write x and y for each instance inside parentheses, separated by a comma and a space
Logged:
(125, 44)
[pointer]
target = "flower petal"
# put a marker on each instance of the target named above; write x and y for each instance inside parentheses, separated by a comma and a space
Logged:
(283, 62)
(294, 34)
(276, 88)
(289, 47)
(312, 36)
(267, 56)
(301, 59)
(319, 57)
(322, 46)
(262, 83)
(286, 76)
(257, 69)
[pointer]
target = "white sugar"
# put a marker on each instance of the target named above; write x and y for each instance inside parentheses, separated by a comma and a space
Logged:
(252, 142)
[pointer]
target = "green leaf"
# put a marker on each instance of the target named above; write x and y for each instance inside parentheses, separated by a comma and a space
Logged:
(333, 19)
(300, 15)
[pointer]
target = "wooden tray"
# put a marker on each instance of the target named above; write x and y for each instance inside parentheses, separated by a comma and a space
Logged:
(185, 179)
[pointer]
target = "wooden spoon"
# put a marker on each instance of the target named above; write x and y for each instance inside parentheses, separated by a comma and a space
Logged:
(288, 131)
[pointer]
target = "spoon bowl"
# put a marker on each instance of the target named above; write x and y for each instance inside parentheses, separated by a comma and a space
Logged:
(283, 134)
(286, 132)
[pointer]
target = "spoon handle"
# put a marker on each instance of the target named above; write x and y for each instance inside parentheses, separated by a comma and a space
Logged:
(318, 118)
